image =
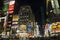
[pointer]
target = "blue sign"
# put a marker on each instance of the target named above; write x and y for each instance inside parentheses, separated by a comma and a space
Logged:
(29, 25)
(29, 30)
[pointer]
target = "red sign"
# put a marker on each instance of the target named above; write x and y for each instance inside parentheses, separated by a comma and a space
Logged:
(11, 7)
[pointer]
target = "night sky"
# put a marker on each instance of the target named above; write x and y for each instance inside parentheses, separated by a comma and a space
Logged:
(1, 4)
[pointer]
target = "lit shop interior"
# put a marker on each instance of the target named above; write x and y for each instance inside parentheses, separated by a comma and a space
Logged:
(29, 20)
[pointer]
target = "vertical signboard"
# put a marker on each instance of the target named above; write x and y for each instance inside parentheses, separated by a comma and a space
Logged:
(11, 6)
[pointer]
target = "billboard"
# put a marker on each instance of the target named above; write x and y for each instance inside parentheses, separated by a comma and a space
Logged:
(11, 6)
(55, 27)
(23, 28)
(52, 28)
(15, 18)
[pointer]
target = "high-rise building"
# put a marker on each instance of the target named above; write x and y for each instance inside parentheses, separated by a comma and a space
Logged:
(25, 14)
(26, 19)
(53, 7)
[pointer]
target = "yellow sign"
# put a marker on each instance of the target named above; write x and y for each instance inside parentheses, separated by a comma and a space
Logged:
(23, 28)
(55, 27)
(15, 18)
